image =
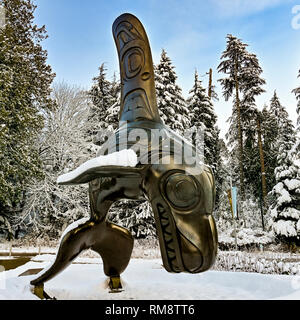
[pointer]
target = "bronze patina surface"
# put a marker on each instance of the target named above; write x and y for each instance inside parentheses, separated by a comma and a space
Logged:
(182, 195)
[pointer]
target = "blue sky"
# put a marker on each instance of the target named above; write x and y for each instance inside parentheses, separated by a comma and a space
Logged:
(192, 32)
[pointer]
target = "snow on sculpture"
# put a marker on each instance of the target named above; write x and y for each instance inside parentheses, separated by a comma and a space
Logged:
(144, 165)
(126, 158)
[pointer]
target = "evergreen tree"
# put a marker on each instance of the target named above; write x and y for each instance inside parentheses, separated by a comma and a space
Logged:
(113, 111)
(170, 102)
(25, 80)
(211, 90)
(285, 196)
(269, 135)
(103, 95)
(214, 95)
(203, 117)
(263, 185)
(285, 208)
(296, 91)
(283, 131)
(233, 58)
(251, 87)
(222, 212)
(243, 82)
(136, 216)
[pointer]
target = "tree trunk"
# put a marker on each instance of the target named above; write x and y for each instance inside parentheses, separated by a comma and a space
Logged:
(262, 164)
(240, 136)
(210, 83)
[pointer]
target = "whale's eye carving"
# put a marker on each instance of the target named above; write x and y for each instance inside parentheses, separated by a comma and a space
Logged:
(182, 190)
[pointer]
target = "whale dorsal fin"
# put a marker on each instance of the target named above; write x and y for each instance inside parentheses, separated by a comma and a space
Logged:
(138, 97)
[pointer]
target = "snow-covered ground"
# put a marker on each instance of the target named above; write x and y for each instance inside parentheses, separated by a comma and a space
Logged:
(146, 279)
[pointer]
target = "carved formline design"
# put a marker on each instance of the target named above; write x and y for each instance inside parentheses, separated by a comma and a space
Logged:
(138, 101)
(167, 237)
(132, 55)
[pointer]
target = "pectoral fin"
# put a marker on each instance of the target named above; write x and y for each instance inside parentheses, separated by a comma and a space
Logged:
(97, 172)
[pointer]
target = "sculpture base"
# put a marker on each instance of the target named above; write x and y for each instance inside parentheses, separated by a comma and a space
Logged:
(40, 293)
(115, 284)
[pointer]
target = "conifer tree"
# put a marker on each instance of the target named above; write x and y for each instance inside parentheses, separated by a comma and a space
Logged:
(136, 216)
(170, 102)
(262, 162)
(243, 83)
(103, 95)
(113, 111)
(233, 58)
(284, 127)
(269, 136)
(285, 207)
(296, 91)
(203, 117)
(285, 195)
(25, 80)
(251, 87)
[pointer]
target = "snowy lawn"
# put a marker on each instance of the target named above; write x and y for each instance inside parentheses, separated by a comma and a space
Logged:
(146, 279)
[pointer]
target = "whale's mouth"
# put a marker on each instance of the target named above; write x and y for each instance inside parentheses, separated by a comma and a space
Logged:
(179, 254)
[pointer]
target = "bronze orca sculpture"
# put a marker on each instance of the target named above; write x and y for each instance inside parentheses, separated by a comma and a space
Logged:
(181, 194)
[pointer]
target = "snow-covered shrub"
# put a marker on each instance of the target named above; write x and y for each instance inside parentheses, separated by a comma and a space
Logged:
(260, 262)
(246, 238)
(147, 248)
(49, 208)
